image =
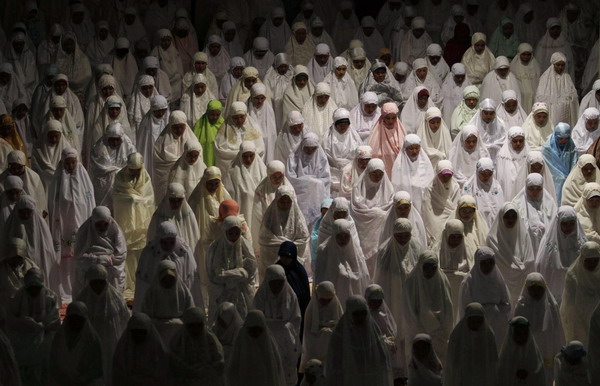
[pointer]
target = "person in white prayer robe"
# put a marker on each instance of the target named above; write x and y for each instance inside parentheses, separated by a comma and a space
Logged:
(240, 90)
(344, 91)
(452, 89)
(583, 172)
(71, 195)
(237, 128)
(365, 114)
(226, 327)
(356, 361)
(402, 207)
(11, 87)
(195, 99)
(492, 129)
(455, 259)
(485, 285)
(260, 108)
(467, 148)
(499, 80)
(59, 112)
(359, 64)
(260, 56)
(100, 88)
(421, 76)
(309, 173)
(170, 62)
(322, 315)
(133, 205)
(125, 66)
(559, 249)
(475, 227)
(510, 159)
(283, 220)
(526, 69)
(108, 313)
(428, 304)
(73, 62)
(472, 352)
(537, 208)
(151, 66)
(100, 240)
(370, 36)
(140, 102)
(31, 322)
(486, 189)
(109, 155)
(353, 170)
(231, 269)
(23, 59)
(168, 148)
(557, 90)
(371, 200)
(581, 294)
(318, 110)
(276, 299)
(424, 368)
(412, 170)
(149, 129)
(396, 258)
(520, 361)
(591, 99)
(585, 133)
(414, 111)
(339, 144)
(555, 40)
(380, 80)
(13, 189)
(538, 126)
(255, 356)
(414, 43)
(299, 47)
(193, 338)
(13, 267)
(340, 260)
(571, 365)
(231, 39)
(277, 79)
(436, 63)
(435, 136)
(510, 110)
(100, 45)
(276, 30)
(47, 154)
(76, 352)
(464, 111)
(538, 306)
(189, 168)
(321, 63)
(478, 59)
(299, 91)
(439, 200)
(587, 211)
(166, 299)
(140, 355)
(200, 63)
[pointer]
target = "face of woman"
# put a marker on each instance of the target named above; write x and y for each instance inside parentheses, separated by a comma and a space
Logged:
(389, 120)
(376, 176)
(534, 192)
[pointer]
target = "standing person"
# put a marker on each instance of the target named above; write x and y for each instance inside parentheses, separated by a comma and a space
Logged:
(71, 195)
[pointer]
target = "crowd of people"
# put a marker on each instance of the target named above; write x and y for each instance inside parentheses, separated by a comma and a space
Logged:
(280, 193)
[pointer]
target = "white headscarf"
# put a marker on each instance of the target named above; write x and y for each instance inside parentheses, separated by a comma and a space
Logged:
(46, 156)
(97, 50)
(427, 371)
(533, 157)
(465, 161)
(581, 135)
(412, 47)
(478, 66)
(548, 46)
(360, 121)
(514, 252)
(195, 106)
(589, 100)
(295, 98)
(476, 229)
(488, 195)
(491, 134)
(515, 118)
(14, 89)
(76, 66)
(369, 205)
(494, 85)
(351, 172)
(316, 72)
(400, 198)
(319, 118)
(279, 226)
(412, 175)
(219, 63)
(575, 182)
(435, 144)
(509, 162)
(430, 82)
(170, 62)
(544, 318)
(472, 354)
(439, 201)
(150, 128)
(277, 84)
(428, 304)
(489, 290)
(462, 114)
(537, 214)
(558, 92)
(371, 43)
(558, 250)
(451, 92)
(204, 204)
(344, 91)
(266, 119)
(186, 173)
(310, 176)
(527, 74)
(277, 36)
(412, 115)
(514, 357)
(139, 104)
(106, 161)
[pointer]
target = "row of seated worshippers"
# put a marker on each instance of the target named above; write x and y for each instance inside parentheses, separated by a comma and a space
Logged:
(212, 159)
(359, 341)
